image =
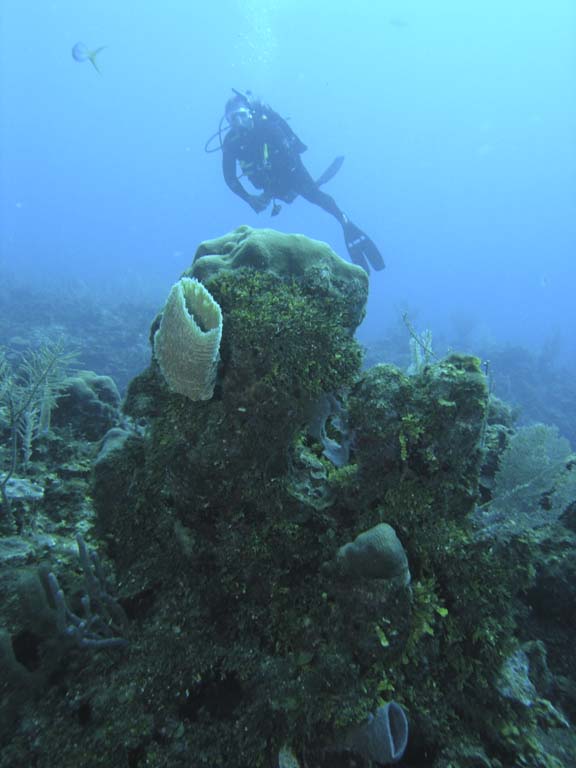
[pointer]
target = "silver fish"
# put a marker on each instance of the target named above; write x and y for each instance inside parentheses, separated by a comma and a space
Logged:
(82, 53)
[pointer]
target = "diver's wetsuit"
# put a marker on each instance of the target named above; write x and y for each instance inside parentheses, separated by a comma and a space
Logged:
(269, 156)
(268, 153)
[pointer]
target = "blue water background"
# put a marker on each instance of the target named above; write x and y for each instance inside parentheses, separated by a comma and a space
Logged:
(457, 121)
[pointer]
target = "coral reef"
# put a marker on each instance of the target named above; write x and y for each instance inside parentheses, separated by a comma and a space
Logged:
(28, 395)
(312, 263)
(89, 406)
(249, 644)
(376, 554)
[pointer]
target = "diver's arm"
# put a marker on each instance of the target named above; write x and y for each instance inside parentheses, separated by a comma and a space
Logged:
(231, 179)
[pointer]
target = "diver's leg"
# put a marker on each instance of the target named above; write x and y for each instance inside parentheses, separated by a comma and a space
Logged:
(361, 249)
(309, 190)
(326, 202)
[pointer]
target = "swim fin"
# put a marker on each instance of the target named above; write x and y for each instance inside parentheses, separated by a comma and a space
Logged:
(331, 171)
(361, 249)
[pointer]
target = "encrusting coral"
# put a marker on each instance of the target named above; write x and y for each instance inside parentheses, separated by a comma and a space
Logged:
(251, 642)
(376, 554)
(296, 649)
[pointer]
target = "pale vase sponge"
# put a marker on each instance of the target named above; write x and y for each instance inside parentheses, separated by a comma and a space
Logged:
(187, 343)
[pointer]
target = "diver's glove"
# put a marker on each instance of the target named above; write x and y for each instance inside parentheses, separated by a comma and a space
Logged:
(258, 203)
(361, 249)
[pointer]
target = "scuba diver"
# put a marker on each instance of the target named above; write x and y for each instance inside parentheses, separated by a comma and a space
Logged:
(268, 153)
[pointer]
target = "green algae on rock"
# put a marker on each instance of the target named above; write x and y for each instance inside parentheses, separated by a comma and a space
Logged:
(224, 520)
(228, 514)
(312, 263)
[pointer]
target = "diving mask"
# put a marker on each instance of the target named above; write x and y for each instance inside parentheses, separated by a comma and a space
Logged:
(241, 118)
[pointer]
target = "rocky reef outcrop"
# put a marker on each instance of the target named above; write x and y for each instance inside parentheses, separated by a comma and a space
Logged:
(277, 600)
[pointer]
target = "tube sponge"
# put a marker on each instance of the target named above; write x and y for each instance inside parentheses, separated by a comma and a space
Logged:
(187, 343)
(383, 738)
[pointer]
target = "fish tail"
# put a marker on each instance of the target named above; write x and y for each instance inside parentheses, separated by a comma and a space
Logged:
(92, 56)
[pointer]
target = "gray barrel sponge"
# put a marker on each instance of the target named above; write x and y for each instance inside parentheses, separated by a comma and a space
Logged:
(376, 554)
(382, 738)
(187, 343)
